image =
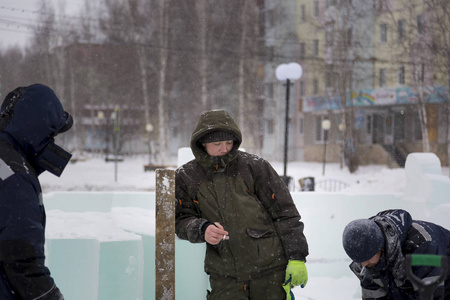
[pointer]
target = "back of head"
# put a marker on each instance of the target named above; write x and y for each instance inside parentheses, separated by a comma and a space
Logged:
(362, 239)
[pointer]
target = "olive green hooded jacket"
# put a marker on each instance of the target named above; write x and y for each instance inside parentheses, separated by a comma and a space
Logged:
(246, 196)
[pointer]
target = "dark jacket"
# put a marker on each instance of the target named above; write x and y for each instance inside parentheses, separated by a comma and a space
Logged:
(33, 115)
(403, 235)
(242, 192)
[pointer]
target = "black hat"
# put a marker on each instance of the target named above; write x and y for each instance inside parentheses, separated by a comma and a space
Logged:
(362, 239)
(216, 136)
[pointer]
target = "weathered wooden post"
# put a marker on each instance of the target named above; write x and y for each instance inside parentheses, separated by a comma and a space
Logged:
(165, 235)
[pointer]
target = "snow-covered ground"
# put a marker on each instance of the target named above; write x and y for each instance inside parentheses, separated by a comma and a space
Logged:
(94, 174)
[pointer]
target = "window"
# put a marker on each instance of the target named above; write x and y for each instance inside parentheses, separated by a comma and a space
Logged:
(383, 33)
(420, 24)
(401, 29)
(316, 48)
(422, 73)
(316, 8)
(302, 50)
(302, 88)
(315, 86)
(302, 13)
(382, 77)
(401, 75)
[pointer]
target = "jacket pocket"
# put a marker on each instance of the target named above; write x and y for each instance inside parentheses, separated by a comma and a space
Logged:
(260, 233)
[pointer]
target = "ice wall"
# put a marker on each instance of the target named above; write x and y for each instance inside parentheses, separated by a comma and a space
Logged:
(101, 245)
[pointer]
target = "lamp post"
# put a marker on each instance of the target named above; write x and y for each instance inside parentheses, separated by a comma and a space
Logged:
(115, 117)
(326, 124)
(341, 128)
(101, 117)
(287, 73)
(149, 129)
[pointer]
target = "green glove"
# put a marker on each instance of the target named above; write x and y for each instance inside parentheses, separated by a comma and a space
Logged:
(297, 270)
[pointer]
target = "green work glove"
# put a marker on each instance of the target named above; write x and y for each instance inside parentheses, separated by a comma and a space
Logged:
(297, 270)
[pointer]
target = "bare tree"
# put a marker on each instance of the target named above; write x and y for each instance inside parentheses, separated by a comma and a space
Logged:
(203, 22)
(407, 23)
(439, 11)
(344, 57)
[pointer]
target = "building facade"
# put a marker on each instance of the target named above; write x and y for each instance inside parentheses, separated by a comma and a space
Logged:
(369, 70)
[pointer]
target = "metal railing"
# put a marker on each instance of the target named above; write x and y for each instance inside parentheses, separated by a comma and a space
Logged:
(331, 185)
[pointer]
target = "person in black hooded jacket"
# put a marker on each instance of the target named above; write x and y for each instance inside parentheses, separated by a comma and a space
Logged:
(30, 118)
(378, 247)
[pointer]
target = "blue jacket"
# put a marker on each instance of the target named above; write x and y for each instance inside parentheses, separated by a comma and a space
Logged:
(31, 117)
(403, 235)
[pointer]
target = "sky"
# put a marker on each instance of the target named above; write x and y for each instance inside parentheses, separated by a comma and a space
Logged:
(18, 18)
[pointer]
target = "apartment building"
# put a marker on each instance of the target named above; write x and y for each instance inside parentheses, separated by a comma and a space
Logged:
(369, 70)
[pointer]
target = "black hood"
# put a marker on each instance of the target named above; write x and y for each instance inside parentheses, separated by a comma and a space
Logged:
(31, 117)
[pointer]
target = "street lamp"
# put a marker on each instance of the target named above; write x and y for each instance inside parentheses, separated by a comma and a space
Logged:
(101, 117)
(116, 119)
(341, 128)
(326, 124)
(287, 73)
(149, 129)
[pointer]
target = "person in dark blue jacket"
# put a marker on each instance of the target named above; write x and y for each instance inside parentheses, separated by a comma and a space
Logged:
(30, 118)
(378, 247)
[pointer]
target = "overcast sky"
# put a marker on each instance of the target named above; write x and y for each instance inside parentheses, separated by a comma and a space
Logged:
(17, 17)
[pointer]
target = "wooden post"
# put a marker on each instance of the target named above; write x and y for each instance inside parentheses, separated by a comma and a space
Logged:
(165, 235)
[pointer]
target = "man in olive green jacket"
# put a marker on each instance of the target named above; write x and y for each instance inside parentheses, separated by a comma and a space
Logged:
(236, 203)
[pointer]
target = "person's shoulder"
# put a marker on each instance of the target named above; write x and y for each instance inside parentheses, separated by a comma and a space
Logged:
(250, 158)
(189, 169)
(186, 166)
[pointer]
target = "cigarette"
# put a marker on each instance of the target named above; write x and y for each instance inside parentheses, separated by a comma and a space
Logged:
(362, 270)
(224, 236)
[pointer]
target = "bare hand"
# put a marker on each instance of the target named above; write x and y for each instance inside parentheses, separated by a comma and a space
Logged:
(214, 234)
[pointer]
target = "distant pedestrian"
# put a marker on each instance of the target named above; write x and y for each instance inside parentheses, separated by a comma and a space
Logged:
(378, 247)
(30, 118)
(236, 203)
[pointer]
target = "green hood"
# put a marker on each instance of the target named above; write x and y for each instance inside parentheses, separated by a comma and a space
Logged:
(212, 121)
